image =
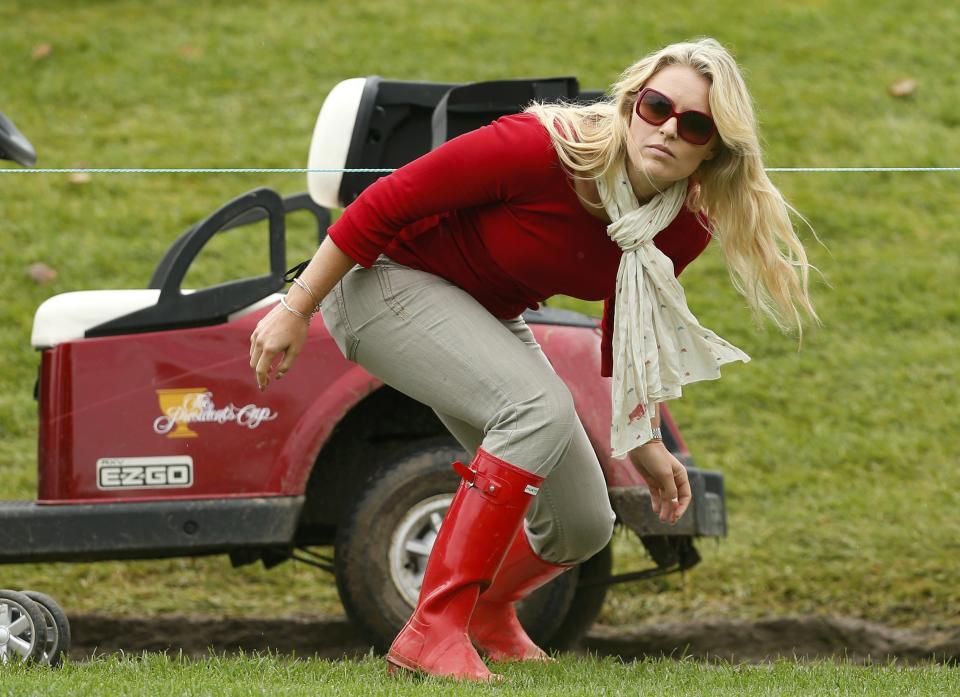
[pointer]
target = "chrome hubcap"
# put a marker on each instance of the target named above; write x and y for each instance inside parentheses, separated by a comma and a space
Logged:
(16, 632)
(411, 544)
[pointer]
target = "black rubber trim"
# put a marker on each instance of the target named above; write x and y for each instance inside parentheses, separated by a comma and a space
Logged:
(467, 107)
(213, 305)
(352, 183)
(33, 532)
(291, 204)
(394, 122)
(706, 517)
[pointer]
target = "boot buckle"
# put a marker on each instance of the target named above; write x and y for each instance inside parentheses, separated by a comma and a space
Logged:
(488, 485)
(468, 475)
(484, 483)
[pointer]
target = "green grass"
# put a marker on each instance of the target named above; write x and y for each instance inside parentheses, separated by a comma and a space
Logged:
(154, 674)
(839, 460)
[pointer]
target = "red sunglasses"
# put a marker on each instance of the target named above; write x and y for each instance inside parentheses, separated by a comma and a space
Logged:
(656, 108)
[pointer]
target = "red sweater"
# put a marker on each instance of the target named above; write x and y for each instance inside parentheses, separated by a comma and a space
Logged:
(493, 212)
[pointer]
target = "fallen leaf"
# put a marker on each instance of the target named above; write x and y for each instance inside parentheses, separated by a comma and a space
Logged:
(79, 177)
(41, 51)
(903, 88)
(41, 273)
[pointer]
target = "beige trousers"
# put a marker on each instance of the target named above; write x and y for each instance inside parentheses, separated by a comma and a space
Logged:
(490, 384)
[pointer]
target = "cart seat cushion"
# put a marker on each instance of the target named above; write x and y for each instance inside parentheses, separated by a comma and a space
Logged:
(68, 316)
(330, 144)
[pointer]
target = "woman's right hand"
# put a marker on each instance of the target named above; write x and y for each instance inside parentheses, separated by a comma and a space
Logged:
(279, 332)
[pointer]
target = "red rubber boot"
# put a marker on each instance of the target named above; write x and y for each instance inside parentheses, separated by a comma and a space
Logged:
(494, 628)
(486, 513)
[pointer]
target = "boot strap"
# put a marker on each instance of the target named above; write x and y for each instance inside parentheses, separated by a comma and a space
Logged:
(467, 474)
(485, 483)
(490, 486)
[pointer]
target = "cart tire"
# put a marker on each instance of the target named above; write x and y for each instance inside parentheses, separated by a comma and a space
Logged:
(57, 628)
(23, 631)
(586, 604)
(378, 585)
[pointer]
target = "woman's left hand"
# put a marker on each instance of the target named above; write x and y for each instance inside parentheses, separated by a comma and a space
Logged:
(278, 332)
(666, 477)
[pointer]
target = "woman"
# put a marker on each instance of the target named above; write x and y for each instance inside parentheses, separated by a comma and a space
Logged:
(431, 268)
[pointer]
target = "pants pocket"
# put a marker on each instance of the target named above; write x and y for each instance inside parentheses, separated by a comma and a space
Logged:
(384, 277)
(333, 312)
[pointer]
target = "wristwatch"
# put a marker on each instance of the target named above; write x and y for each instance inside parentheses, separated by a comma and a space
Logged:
(656, 433)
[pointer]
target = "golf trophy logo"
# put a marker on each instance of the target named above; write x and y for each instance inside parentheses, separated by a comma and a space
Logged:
(182, 407)
(179, 409)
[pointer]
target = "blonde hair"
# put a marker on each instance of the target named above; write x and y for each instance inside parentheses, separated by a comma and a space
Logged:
(748, 215)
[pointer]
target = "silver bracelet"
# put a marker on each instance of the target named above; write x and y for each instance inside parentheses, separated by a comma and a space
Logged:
(313, 296)
(656, 436)
(286, 306)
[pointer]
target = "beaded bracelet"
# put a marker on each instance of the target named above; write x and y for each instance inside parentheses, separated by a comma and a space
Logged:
(286, 306)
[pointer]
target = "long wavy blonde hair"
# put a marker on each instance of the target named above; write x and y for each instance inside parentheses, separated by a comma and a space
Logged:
(748, 215)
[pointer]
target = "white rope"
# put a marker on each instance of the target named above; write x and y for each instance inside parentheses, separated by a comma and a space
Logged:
(862, 169)
(306, 170)
(183, 170)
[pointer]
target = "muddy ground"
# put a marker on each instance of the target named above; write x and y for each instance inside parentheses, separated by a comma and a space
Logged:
(748, 641)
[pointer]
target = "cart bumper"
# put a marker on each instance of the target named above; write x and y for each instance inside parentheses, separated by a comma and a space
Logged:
(30, 532)
(705, 517)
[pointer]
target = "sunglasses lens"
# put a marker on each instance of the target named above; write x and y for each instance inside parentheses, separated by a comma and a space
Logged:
(695, 128)
(692, 126)
(654, 108)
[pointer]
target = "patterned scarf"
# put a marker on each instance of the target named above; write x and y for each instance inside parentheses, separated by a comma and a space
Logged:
(658, 345)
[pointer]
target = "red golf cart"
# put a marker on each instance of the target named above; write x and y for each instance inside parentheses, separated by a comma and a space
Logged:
(154, 440)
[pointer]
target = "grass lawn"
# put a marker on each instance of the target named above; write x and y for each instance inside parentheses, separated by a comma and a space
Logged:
(840, 460)
(154, 674)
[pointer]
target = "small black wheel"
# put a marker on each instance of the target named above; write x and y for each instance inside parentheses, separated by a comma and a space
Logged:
(23, 631)
(384, 541)
(57, 628)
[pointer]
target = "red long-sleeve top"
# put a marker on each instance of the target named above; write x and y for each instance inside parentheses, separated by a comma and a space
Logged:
(493, 212)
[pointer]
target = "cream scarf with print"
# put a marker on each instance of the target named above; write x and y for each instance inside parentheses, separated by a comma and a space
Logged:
(658, 345)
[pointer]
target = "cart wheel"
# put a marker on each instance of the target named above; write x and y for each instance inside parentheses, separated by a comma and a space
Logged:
(383, 543)
(23, 632)
(586, 604)
(57, 625)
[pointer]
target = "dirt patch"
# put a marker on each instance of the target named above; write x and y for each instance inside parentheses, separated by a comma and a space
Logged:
(748, 641)
(756, 641)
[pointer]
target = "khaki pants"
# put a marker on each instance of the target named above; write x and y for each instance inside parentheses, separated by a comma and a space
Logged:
(490, 384)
